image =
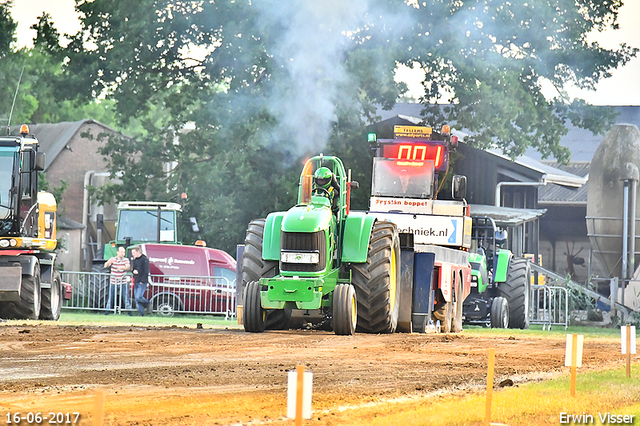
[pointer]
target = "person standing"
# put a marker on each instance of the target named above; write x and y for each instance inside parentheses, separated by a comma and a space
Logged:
(118, 287)
(140, 267)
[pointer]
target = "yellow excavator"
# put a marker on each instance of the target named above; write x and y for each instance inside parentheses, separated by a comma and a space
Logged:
(30, 285)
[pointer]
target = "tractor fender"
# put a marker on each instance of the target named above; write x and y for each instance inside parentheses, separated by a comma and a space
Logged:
(28, 263)
(501, 265)
(355, 239)
(271, 236)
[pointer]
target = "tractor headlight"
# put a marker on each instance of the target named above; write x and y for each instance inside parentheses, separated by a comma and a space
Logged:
(299, 257)
(474, 281)
(4, 243)
(13, 242)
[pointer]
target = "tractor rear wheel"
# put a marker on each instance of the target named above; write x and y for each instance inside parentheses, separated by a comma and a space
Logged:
(499, 313)
(345, 311)
(377, 281)
(255, 267)
(52, 299)
(254, 317)
(516, 291)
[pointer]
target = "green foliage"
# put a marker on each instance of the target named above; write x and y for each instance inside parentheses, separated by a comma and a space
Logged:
(35, 77)
(7, 28)
(491, 62)
(579, 300)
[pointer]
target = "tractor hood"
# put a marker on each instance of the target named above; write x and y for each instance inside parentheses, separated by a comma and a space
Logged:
(312, 217)
(477, 261)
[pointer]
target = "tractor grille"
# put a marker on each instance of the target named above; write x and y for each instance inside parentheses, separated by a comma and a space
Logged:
(303, 241)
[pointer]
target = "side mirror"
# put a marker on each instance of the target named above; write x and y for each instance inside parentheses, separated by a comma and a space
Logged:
(39, 162)
(459, 187)
(194, 224)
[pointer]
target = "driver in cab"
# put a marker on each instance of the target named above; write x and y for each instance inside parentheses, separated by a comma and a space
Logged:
(325, 183)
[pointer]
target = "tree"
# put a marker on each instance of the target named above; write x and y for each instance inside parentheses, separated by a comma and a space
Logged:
(35, 78)
(490, 60)
(7, 28)
(268, 85)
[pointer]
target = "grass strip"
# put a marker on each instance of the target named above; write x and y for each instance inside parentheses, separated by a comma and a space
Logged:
(599, 396)
(78, 318)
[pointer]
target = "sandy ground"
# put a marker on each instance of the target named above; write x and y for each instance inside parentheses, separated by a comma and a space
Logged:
(173, 376)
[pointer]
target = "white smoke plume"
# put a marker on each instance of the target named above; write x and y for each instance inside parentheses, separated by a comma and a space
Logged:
(310, 51)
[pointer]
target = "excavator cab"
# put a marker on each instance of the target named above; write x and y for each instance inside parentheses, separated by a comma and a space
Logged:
(31, 286)
(19, 165)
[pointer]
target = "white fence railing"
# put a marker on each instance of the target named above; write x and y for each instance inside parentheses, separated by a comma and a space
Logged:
(168, 295)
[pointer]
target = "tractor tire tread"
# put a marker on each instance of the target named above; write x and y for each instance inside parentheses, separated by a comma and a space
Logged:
(255, 267)
(51, 308)
(371, 281)
(30, 297)
(516, 291)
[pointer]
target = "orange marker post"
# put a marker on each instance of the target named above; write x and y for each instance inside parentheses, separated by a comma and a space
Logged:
(573, 357)
(490, 368)
(628, 341)
(299, 387)
(98, 412)
(299, 390)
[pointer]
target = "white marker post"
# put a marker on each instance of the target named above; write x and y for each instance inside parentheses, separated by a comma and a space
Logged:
(628, 340)
(573, 357)
(299, 388)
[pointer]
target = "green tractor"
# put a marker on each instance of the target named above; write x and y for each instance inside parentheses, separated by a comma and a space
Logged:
(139, 222)
(500, 282)
(320, 263)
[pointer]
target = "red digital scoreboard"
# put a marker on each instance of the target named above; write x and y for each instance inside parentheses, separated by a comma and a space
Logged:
(414, 154)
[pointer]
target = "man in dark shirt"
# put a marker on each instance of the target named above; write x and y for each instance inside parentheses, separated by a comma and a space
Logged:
(140, 269)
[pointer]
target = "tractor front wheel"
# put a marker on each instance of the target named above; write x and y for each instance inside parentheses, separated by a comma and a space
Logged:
(28, 307)
(499, 313)
(255, 267)
(254, 317)
(345, 311)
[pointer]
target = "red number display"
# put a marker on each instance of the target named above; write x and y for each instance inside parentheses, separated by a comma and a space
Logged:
(414, 152)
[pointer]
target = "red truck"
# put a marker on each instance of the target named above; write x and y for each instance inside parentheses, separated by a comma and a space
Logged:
(190, 279)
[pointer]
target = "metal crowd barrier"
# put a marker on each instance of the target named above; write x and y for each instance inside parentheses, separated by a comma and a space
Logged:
(169, 295)
(549, 306)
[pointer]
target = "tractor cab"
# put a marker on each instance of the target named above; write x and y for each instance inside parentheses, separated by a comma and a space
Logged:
(141, 222)
(410, 165)
(324, 182)
(486, 242)
(24, 212)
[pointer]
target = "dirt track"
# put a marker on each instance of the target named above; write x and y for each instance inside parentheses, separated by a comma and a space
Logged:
(166, 376)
